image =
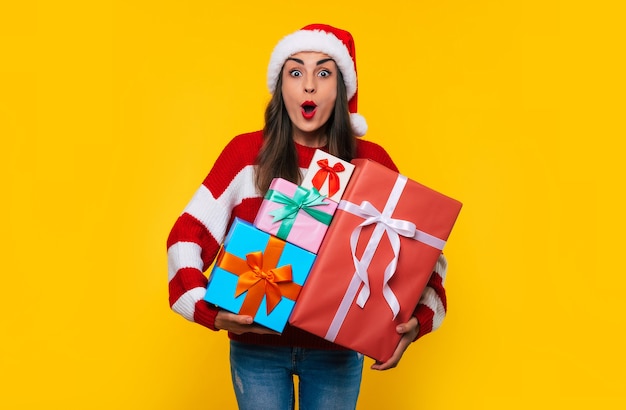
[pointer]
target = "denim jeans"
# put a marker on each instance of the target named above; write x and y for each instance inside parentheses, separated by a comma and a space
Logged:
(263, 377)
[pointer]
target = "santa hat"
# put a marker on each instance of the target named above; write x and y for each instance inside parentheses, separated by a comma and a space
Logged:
(322, 38)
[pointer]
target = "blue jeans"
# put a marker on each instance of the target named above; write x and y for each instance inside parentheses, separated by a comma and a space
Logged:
(263, 377)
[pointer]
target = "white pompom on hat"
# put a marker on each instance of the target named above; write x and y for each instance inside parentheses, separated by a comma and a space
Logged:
(322, 38)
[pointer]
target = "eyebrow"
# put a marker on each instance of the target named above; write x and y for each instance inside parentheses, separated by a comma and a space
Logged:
(297, 60)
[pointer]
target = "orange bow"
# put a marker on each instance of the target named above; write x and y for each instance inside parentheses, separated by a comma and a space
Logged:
(330, 172)
(259, 276)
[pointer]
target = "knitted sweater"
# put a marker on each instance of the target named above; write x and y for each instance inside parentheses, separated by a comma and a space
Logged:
(229, 191)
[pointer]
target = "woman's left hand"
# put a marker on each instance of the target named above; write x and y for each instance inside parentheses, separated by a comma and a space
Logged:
(409, 331)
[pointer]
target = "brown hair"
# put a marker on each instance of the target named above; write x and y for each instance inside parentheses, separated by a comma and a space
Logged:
(278, 156)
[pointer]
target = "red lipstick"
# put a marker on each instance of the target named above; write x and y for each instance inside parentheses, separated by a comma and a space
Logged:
(308, 109)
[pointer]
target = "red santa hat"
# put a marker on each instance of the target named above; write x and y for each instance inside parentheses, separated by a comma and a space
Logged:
(322, 38)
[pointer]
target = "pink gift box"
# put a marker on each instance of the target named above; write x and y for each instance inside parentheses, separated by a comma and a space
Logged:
(404, 223)
(295, 214)
(328, 174)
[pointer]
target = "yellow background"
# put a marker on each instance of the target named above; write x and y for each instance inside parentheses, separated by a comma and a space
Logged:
(112, 112)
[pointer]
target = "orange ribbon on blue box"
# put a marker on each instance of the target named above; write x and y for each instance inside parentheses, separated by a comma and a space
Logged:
(260, 277)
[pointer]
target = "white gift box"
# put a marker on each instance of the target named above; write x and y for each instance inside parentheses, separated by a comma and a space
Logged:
(328, 174)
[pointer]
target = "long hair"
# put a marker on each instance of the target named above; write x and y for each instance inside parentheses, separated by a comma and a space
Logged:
(278, 156)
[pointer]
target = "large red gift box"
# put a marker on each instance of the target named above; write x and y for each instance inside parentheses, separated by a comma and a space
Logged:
(375, 261)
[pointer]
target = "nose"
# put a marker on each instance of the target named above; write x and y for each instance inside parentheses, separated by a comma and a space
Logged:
(309, 86)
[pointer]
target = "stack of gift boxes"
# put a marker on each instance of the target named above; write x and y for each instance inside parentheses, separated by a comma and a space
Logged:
(364, 272)
(262, 267)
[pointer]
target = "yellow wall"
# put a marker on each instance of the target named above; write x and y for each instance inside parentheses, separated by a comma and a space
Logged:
(112, 112)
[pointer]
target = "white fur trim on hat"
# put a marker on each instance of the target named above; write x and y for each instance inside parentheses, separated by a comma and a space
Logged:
(312, 40)
(359, 125)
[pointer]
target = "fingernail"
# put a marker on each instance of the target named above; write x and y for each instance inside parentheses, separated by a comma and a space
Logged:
(399, 329)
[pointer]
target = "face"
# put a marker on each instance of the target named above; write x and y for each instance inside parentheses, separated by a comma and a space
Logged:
(309, 88)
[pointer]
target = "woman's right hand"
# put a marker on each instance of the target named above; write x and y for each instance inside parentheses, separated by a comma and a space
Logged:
(239, 324)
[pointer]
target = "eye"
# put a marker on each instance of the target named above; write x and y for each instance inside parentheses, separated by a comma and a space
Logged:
(295, 73)
(324, 73)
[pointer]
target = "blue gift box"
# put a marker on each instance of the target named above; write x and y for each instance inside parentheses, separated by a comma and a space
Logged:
(255, 269)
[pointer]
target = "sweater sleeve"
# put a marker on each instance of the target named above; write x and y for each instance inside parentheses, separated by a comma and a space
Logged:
(373, 151)
(199, 231)
(432, 306)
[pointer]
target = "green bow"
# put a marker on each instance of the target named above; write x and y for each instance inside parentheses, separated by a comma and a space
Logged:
(304, 199)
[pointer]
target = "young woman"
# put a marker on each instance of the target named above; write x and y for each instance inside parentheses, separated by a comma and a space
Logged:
(313, 81)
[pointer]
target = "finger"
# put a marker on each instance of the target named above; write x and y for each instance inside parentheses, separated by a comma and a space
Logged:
(393, 361)
(389, 364)
(407, 327)
(247, 321)
(244, 319)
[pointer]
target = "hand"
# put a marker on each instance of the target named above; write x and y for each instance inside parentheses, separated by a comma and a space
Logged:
(239, 324)
(409, 331)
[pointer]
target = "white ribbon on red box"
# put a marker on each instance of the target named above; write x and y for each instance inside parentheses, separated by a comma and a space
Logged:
(384, 224)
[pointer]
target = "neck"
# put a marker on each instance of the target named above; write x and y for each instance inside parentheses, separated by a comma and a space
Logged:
(312, 140)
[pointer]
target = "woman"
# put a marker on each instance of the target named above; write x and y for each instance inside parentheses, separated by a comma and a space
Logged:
(312, 78)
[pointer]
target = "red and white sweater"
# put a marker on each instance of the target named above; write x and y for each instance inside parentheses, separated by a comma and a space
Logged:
(229, 191)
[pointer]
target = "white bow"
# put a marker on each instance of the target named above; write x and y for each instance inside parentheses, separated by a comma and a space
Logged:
(384, 224)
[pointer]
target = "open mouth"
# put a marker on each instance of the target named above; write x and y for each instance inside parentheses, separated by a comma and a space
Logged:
(308, 109)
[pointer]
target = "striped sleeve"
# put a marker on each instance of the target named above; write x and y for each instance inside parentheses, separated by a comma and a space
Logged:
(192, 245)
(197, 234)
(432, 307)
